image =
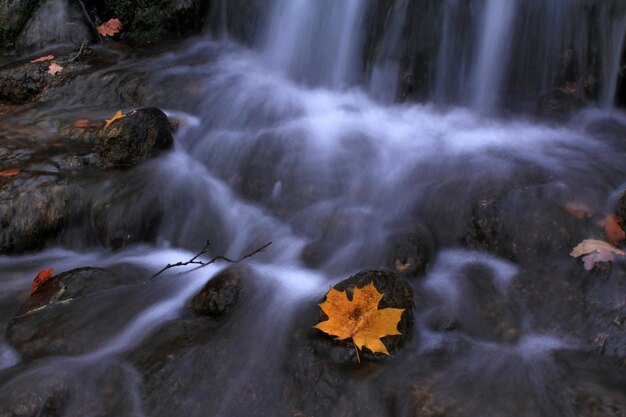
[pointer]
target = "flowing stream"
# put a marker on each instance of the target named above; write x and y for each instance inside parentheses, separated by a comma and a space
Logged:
(291, 142)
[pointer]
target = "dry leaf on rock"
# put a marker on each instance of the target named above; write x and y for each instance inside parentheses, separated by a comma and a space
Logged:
(10, 172)
(110, 28)
(43, 58)
(118, 115)
(42, 277)
(360, 318)
(595, 251)
(54, 68)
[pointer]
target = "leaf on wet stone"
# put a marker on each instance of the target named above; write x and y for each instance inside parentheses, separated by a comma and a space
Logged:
(110, 28)
(41, 278)
(54, 68)
(43, 58)
(359, 318)
(595, 251)
(117, 116)
(9, 172)
(578, 209)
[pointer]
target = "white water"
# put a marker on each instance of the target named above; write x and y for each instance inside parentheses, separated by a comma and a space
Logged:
(613, 63)
(492, 60)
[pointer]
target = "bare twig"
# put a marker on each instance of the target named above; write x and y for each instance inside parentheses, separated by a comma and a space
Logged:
(93, 25)
(195, 261)
(80, 51)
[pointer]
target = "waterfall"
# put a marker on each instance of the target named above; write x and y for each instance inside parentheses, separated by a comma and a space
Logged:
(316, 42)
(386, 71)
(494, 50)
(612, 63)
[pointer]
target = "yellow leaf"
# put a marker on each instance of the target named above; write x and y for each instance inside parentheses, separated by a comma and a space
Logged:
(360, 318)
(118, 115)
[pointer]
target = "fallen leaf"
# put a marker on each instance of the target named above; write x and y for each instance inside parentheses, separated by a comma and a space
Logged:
(578, 210)
(613, 228)
(117, 116)
(595, 251)
(43, 58)
(54, 68)
(10, 172)
(87, 124)
(359, 318)
(42, 277)
(569, 88)
(110, 28)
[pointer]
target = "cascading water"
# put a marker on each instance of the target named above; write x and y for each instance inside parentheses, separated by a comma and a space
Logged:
(316, 42)
(613, 61)
(272, 147)
(494, 51)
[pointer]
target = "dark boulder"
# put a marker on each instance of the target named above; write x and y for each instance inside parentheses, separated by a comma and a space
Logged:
(55, 22)
(220, 295)
(13, 17)
(124, 213)
(410, 250)
(146, 23)
(63, 317)
(132, 139)
(22, 83)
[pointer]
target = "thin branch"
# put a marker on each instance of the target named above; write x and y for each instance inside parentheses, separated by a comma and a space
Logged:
(80, 51)
(194, 261)
(93, 25)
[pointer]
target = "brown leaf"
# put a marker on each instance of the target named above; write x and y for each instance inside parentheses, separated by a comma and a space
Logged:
(54, 68)
(117, 116)
(10, 172)
(613, 228)
(42, 277)
(578, 210)
(595, 251)
(43, 58)
(110, 28)
(359, 318)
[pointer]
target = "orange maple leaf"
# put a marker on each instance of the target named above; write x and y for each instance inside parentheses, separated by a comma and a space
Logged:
(9, 172)
(613, 228)
(43, 58)
(110, 28)
(42, 277)
(54, 68)
(360, 318)
(117, 116)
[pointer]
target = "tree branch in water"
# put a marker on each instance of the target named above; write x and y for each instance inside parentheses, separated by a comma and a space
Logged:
(195, 261)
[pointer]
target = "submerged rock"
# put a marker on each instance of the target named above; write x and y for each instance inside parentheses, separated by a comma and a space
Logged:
(135, 137)
(220, 294)
(22, 83)
(13, 18)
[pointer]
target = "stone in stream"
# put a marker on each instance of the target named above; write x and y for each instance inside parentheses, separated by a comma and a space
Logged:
(220, 294)
(133, 138)
(13, 18)
(409, 250)
(64, 315)
(22, 83)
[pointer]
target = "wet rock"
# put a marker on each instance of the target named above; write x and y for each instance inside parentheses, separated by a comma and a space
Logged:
(13, 18)
(134, 138)
(560, 104)
(55, 22)
(410, 250)
(152, 22)
(525, 225)
(63, 316)
(220, 295)
(587, 306)
(397, 294)
(123, 214)
(23, 82)
(33, 210)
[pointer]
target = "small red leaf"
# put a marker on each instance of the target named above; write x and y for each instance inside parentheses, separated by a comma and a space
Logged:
(87, 124)
(54, 68)
(10, 172)
(42, 277)
(110, 28)
(43, 58)
(613, 228)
